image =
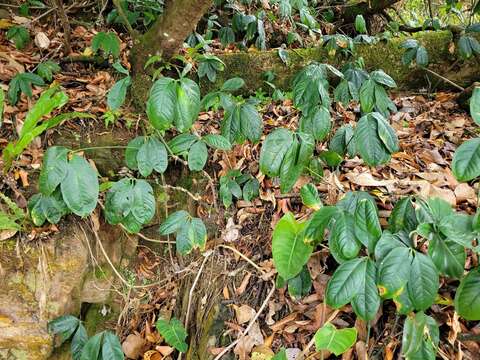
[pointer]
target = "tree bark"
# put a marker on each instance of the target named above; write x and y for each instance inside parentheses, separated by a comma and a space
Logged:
(164, 38)
(366, 9)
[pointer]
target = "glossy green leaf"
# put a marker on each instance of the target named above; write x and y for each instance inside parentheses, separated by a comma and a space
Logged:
(119, 201)
(403, 216)
(342, 241)
(197, 156)
(458, 228)
(274, 148)
(79, 340)
(367, 300)
(310, 197)
(394, 271)
(118, 92)
(347, 281)
(187, 104)
(369, 143)
(80, 187)
(161, 103)
(217, 141)
(423, 282)
(131, 151)
(174, 222)
(413, 330)
(232, 84)
(367, 96)
(64, 326)
(174, 333)
(333, 340)
(367, 225)
(350, 200)
(360, 24)
(300, 285)
(51, 208)
(317, 123)
(389, 241)
(475, 105)
(467, 297)
(315, 229)
(92, 348)
(152, 155)
(466, 160)
(343, 141)
(191, 236)
(448, 256)
(111, 347)
(289, 250)
(54, 169)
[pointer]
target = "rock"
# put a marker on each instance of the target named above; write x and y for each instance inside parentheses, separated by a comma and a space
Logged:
(52, 278)
(42, 41)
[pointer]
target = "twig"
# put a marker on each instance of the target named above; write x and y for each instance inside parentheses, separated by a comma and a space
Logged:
(250, 325)
(190, 294)
(65, 24)
(178, 188)
(444, 78)
(243, 257)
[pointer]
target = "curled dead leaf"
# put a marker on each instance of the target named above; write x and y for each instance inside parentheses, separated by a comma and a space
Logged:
(42, 41)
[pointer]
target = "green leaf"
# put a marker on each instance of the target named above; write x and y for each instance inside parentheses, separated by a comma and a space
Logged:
(475, 105)
(367, 225)
(289, 250)
(467, 297)
(118, 92)
(295, 160)
(217, 141)
(64, 326)
(310, 197)
(226, 35)
(91, 350)
(367, 96)
(19, 35)
(466, 160)
(380, 77)
(180, 144)
(51, 208)
(343, 142)
(413, 331)
(47, 68)
(274, 148)
(386, 133)
(111, 347)
(131, 151)
(251, 189)
(174, 333)
(403, 216)
(300, 285)
(152, 155)
(119, 201)
(197, 156)
(458, 228)
(22, 82)
(393, 272)
(79, 340)
(143, 206)
(174, 222)
(192, 236)
(346, 282)
(54, 169)
(423, 282)
(350, 200)
(433, 211)
(240, 122)
(421, 56)
(333, 340)
(369, 143)
(108, 42)
(342, 241)
(187, 104)
(360, 24)
(315, 229)
(80, 187)
(448, 256)
(429, 345)
(282, 354)
(367, 301)
(317, 123)
(389, 241)
(161, 103)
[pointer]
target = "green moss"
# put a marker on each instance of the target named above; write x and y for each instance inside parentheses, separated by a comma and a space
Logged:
(95, 322)
(384, 55)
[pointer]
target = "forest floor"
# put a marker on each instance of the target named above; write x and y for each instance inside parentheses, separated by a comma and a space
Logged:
(429, 126)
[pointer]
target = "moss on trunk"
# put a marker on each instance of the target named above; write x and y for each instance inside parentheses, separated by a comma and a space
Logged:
(384, 55)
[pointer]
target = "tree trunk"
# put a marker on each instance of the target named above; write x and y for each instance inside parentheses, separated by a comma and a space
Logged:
(165, 38)
(366, 9)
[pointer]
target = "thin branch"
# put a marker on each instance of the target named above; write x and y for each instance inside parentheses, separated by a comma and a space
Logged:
(444, 78)
(243, 257)
(250, 325)
(65, 24)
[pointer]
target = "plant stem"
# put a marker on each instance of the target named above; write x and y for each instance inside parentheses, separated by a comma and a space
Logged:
(99, 147)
